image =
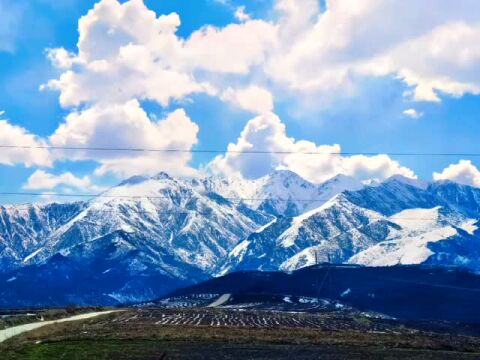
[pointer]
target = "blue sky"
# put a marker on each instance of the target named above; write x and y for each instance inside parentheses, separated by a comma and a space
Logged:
(276, 75)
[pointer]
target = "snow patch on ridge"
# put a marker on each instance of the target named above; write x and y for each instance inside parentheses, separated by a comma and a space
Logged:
(405, 251)
(417, 219)
(287, 238)
(470, 226)
(32, 255)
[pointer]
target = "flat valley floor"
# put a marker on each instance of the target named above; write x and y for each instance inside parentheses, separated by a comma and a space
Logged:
(154, 333)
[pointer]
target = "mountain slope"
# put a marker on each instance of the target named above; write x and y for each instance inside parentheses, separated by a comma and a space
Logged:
(404, 292)
(281, 193)
(397, 222)
(163, 214)
(432, 236)
(25, 228)
(332, 233)
(148, 235)
(116, 274)
(146, 227)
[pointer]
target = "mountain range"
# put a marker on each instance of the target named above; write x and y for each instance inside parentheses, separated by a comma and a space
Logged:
(150, 235)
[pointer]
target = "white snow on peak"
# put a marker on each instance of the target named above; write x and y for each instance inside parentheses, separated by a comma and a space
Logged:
(328, 204)
(153, 187)
(283, 186)
(287, 238)
(409, 181)
(342, 182)
(182, 219)
(280, 190)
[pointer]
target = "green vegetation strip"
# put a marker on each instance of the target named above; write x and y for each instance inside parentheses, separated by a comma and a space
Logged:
(155, 349)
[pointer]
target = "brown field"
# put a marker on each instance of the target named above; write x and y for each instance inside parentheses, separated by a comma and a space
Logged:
(232, 334)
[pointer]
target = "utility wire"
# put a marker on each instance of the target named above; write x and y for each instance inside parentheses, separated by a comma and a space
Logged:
(393, 218)
(217, 151)
(100, 195)
(146, 196)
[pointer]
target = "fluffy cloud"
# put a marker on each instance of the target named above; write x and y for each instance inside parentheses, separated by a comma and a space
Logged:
(412, 113)
(28, 155)
(240, 14)
(267, 134)
(232, 49)
(328, 56)
(464, 172)
(126, 54)
(296, 16)
(125, 51)
(253, 98)
(42, 180)
(446, 61)
(128, 126)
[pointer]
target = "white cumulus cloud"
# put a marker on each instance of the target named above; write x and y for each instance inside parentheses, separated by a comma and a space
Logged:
(126, 54)
(240, 14)
(31, 151)
(253, 98)
(412, 113)
(430, 45)
(125, 51)
(464, 172)
(267, 134)
(42, 180)
(128, 126)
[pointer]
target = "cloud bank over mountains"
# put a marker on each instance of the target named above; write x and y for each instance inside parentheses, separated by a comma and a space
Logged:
(127, 55)
(316, 163)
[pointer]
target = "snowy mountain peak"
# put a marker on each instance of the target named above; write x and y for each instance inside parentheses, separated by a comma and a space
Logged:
(341, 178)
(286, 177)
(133, 180)
(191, 229)
(162, 176)
(408, 181)
(282, 192)
(341, 182)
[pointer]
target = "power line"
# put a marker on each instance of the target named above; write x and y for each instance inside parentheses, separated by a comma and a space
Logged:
(146, 196)
(220, 151)
(393, 218)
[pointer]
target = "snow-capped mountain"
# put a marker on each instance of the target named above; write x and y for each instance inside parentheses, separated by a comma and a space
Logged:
(281, 193)
(155, 224)
(396, 222)
(196, 229)
(331, 233)
(149, 235)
